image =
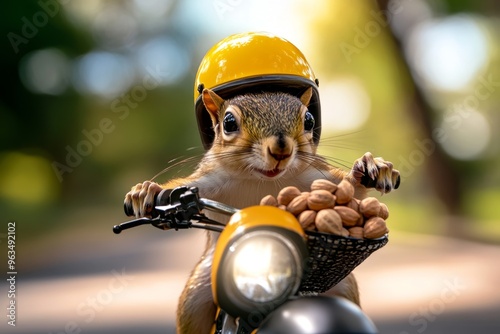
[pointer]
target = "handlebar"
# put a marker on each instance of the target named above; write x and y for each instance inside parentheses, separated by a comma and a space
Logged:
(163, 198)
(179, 208)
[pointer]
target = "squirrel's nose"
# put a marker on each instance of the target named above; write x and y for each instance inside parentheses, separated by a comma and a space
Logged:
(279, 147)
(278, 155)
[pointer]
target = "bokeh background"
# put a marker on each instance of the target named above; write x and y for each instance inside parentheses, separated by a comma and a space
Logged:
(96, 96)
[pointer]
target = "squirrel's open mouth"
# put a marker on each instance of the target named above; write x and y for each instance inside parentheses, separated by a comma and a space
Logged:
(271, 173)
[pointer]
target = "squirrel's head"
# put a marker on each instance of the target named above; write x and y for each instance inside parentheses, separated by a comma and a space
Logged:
(266, 135)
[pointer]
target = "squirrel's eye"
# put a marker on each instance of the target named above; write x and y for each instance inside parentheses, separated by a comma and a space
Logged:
(230, 124)
(308, 121)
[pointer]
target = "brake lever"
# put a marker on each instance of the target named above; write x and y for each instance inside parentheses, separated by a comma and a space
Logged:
(117, 229)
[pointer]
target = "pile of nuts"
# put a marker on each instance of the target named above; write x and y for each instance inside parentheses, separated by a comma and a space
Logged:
(332, 208)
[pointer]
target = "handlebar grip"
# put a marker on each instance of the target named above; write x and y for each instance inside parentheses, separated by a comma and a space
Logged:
(129, 211)
(161, 199)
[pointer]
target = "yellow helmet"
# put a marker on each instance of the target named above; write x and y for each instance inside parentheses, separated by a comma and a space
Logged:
(253, 62)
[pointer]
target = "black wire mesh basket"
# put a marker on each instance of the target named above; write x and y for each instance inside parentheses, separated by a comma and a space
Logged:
(332, 258)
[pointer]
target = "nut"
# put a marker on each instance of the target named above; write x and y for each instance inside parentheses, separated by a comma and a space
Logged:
(328, 221)
(369, 207)
(356, 232)
(298, 204)
(332, 208)
(361, 221)
(375, 227)
(349, 216)
(306, 219)
(320, 199)
(286, 195)
(353, 204)
(344, 192)
(384, 211)
(269, 200)
(322, 184)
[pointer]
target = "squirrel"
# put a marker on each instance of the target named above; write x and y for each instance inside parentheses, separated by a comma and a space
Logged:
(263, 142)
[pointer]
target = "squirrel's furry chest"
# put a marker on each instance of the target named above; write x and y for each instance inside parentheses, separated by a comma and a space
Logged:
(243, 191)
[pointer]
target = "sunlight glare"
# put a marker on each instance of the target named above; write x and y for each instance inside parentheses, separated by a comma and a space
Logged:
(45, 71)
(103, 74)
(469, 139)
(345, 105)
(448, 53)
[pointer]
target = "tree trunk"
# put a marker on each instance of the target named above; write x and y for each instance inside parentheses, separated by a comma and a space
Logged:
(441, 172)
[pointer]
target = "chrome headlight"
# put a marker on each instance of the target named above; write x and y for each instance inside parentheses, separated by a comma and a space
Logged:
(265, 266)
(259, 262)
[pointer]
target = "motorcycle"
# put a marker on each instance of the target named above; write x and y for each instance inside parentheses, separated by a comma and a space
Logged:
(267, 272)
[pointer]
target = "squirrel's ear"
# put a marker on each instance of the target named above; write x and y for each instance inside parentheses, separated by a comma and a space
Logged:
(212, 102)
(306, 97)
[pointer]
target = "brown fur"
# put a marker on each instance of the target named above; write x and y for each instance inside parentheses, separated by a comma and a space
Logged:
(270, 136)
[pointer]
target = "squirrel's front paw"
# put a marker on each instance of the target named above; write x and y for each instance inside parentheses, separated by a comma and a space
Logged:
(139, 201)
(375, 173)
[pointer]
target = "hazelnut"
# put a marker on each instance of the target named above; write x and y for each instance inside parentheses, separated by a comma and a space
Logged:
(306, 219)
(353, 204)
(356, 232)
(369, 207)
(374, 228)
(349, 216)
(322, 184)
(344, 192)
(320, 199)
(269, 200)
(298, 204)
(286, 195)
(384, 211)
(328, 221)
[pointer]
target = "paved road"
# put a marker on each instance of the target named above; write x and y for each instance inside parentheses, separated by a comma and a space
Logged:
(130, 284)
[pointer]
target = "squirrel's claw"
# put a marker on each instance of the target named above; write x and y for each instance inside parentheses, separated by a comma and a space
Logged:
(139, 201)
(375, 173)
